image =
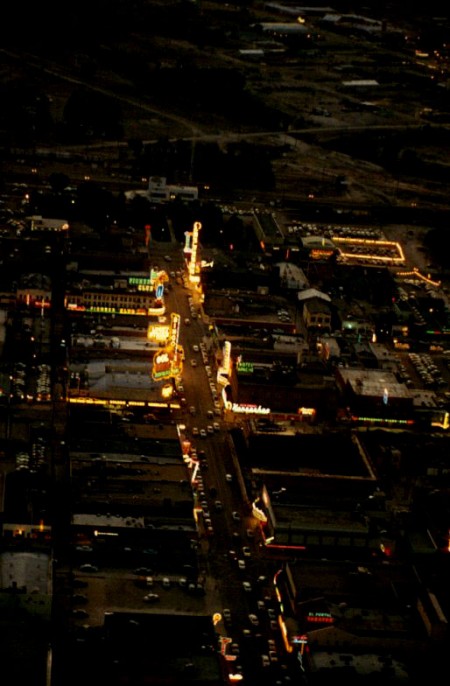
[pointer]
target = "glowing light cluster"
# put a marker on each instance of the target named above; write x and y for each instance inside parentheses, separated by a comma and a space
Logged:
(370, 243)
(416, 274)
(382, 420)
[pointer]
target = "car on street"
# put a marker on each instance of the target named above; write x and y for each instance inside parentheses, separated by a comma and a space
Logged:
(226, 613)
(241, 564)
(193, 363)
(79, 598)
(234, 649)
(246, 585)
(265, 660)
(151, 598)
(88, 568)
(236, 516)
(246, 551)
(203, 433)
(253, 619)
(195, 431)
(229, 477)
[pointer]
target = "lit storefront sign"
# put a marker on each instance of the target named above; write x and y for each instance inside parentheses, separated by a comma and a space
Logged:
(258, 513)
(156, 310)
(167, 391)
(306, 411)
(161, 366)
(246, 408)
(317, 254)
(158, 333)
(322, 617)
(142, 284)
(245, 367)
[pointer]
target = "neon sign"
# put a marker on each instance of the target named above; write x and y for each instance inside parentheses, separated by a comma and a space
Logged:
(158, 333)
(245, 367)
(246, 408)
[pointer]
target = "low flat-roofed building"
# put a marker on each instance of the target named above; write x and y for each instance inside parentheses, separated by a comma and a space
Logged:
(309, 488)
(46, 224)
(26, 604)
(314, 391)
(173, 648)
(374, 392)
(317, 315)
(160, 191)
(347, 608)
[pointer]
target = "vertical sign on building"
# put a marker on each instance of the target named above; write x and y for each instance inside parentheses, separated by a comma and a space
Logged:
(193, 275)
(226, 359)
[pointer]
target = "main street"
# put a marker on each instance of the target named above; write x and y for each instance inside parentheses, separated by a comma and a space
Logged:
(239, 577)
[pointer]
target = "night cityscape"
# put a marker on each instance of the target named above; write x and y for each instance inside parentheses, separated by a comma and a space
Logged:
(225, 344)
